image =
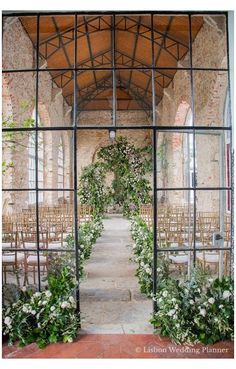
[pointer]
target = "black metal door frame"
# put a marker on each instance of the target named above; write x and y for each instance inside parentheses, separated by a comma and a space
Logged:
(154, 129)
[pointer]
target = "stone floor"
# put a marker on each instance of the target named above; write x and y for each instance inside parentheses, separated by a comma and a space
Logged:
(110, 298)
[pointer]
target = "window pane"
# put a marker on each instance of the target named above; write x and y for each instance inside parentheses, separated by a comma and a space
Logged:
(94, 41)
(134, 97)
(56, 41)
(18, 163)
(212, 159)
(94, 97)
(56, 91)
(209, 42)
(210, 91)
(19, 50)
(133, 41)
(18, 98)
(53, 171)
(213, 230)
(173, 97)
(175, 164)
(175, 218)
(171, 41)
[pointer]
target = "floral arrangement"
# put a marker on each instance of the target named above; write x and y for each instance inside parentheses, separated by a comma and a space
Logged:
(88, 235)
(142, 249)
(197, 310)
(44, 317)
(130, 187)
(130, 164)
(92, 188)
(50, 316)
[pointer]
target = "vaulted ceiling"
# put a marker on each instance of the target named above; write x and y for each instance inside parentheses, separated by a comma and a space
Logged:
(133, 49)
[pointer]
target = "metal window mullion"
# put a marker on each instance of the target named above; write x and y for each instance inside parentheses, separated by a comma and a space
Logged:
(194, 141)
(76, 234)
(231, 258)
(113, 50)
(36, 155)
(154, 163)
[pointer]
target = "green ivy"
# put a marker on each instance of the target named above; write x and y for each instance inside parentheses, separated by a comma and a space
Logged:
(130, 187)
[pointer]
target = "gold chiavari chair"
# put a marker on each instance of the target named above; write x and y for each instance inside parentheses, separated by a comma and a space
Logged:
(12, 261)
(29, 242)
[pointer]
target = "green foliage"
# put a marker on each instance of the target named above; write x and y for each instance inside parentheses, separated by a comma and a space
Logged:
(44, 317)
(143, 251)
(87, 236)
(13, 141)
(50, 316)
(130, 188)
(197, 310)
(92, 189)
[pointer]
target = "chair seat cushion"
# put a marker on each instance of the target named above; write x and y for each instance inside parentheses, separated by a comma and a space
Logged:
(33, 260)
(10, 258)
(179, 259)
(209, 257)
(7, 245)
(54, 245)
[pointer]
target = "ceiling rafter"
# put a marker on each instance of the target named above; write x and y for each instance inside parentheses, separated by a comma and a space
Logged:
(90, 49)
(126, 28)
(88, 93)
(159, 53)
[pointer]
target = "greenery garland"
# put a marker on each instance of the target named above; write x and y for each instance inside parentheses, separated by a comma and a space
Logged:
(130, 187)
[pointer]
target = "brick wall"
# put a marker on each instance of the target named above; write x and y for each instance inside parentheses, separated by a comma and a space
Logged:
(210, 91)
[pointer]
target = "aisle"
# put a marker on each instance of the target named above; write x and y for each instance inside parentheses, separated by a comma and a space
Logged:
(110, 297)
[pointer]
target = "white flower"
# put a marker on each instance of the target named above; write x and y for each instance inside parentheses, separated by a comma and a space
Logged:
(158, 269)
(173, 300)
(71, 299)
(171, 312)
(33, 312)
(226, 294)
(37, 294)
(221, 306)
(148, 271)
(25, 309)
(52, 308)
(202, 312)
(177, 325)
(176, 307)
(7, 320)
(64, 305)
(44, 302)
(23, 289)
(211, 300)
(164, 293)
(191, 302)
(48, 294)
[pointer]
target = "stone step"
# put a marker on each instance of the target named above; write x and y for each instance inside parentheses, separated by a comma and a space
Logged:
(111, 294)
